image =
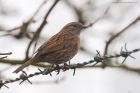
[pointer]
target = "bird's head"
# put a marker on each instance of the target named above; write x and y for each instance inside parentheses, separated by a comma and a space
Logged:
(74, 28)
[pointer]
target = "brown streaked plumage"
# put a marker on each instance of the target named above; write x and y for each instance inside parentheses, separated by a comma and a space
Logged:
(58, 49)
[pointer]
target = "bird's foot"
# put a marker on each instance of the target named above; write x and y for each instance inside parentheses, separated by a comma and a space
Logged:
(46, 71)
(65, 67)
(57, 68)
(69, 62)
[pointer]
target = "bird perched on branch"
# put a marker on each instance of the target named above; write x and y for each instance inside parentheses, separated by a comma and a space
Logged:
(60, 48)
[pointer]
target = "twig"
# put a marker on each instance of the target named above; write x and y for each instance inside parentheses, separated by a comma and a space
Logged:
(5, 54)
(24, 26)
(9, 53)
(38, 31)
(111, 39)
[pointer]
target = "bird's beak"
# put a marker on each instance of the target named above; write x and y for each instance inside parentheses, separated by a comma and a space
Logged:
(87, 26)
(84, 27)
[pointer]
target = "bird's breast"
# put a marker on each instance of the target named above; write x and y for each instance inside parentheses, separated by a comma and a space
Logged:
(64, 49)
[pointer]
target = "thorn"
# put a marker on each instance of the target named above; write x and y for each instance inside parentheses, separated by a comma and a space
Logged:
(57, 68)
(40, 70)
(124, 60)
(46, 71)
(24, 77)
(69, 62)
(6, 86)
(98, 53)
(21, 82)
(2, 84)
(125, 47)
(29, 81)
(132, 57)
(24, 72)
(74, 70)
(95, 64)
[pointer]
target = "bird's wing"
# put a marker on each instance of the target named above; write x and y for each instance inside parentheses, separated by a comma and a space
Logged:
(55, 43)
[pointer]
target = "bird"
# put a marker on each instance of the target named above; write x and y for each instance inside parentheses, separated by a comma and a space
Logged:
(60, 48)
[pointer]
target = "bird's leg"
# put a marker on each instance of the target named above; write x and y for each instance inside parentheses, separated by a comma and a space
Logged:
(69, 62)
(65, 67)
(57, 68)
(47, 70)
(74, 69)
(52, 66)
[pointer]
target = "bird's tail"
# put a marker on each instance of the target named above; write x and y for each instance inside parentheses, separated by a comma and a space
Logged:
(20, 68)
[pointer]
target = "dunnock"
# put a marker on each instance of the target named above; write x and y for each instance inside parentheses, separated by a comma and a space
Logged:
(60, 48)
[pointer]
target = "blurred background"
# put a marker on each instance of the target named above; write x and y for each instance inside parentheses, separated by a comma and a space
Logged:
(20, 19)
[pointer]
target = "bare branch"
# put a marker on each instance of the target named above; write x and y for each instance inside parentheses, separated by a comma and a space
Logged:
(111, 39)
(38, 31)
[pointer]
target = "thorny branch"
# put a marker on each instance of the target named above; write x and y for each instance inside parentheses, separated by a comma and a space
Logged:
(90, 64)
